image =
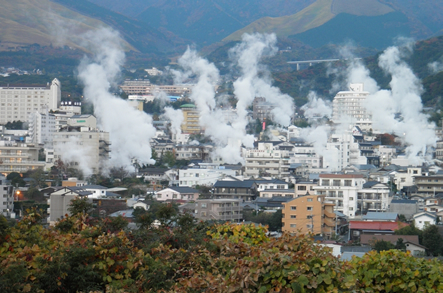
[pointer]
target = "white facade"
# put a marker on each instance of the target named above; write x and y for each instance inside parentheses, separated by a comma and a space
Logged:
(17, 103)
(6, 197)
(421, 220)
(42, 128)
(342, 150)
(180, 193)
(81, 145)
(374, 199)
(342, 189)
(18, 157)
(386, 153)
(267, 160)
(305, 154)
(403, 179)
(348, 107)
(207, 177)
(71, 107)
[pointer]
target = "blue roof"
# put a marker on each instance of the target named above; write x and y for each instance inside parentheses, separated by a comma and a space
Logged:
(380, 216)
(407, 201)
(241, 184)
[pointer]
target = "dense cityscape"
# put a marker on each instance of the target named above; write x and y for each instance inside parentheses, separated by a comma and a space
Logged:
(205, 174)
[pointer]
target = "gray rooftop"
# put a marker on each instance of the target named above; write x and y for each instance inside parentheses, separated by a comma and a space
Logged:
(377, 216)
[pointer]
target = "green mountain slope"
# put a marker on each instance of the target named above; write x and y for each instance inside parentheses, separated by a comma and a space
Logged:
(25, 22)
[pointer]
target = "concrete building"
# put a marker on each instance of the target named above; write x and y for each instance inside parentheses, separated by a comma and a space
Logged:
(267, 160)
(153, 71)
(71, 107)
(6, 197)
(304, 188)
(193, 152)
(429, 185)
(132, 87)
(403, 178)
(60, 200)
(348, 107)
(41, 128)
(203, 176)
(404, 207)
(342, 150)
(224, 210)
(236, 189)
(309, 214)
(305, 154)
(19, 157)
(342, 189)
(385, 153)
(17, 103)
(261, 109)
(81, 145)
(191, 117)
(373, 197)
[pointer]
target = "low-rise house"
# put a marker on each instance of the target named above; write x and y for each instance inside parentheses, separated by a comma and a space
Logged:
(421, 220)
(177, 193)
(411, 242)
(269, 193)
(358, 228)
(309, 214)
(143, 203)
(272, 203)
(203, 176)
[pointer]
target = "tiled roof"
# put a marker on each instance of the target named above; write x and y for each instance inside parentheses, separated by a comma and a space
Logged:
(365, 225)
(369, 239)
(242, 184)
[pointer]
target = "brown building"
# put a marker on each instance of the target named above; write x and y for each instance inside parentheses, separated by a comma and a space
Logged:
(309, 214)
(215, 209)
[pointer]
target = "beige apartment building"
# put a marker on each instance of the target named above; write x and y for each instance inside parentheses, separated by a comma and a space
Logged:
(18, 157)
(229, 210)
(17, 103)
(191, 119)
(309, 214)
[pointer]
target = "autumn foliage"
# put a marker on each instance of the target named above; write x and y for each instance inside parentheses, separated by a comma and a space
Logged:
(194, 257)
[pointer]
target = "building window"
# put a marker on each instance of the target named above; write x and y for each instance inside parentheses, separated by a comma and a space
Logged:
(293, 216)
(309, 217)
(293, 225)
(351, 198)
(348, 182)
(293, 208)
(203, 205)
(309, 199)
(309, 208)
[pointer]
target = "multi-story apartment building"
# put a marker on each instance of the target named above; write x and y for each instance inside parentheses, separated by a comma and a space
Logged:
(342, 189)
(439, 150)
(348, 107)
(144, 87)
(132, 87)
(6, 197)
(309, 214)
(235, 189)
(17, 103)
(385, 153)
(304, 188)
(71, 107)
(374, 197)
(81, 145)
(306, 155)
(261, 109)
(403, 178)
(342, 150)
(18, 157)
(191, 119)
(429, 185)
(193, 152)
(267, 160)
(203, 176)
(42, 128)
(216, 209)
(60, 200)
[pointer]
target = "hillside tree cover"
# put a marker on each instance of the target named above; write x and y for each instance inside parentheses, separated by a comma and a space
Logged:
(81, 254)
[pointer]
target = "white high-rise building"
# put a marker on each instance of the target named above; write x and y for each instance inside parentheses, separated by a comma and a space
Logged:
(6, 197)
(42, 128)
(342, 150)
(17, 103)
(348, 107)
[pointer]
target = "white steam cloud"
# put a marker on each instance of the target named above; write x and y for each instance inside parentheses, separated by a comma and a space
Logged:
(255, 80)
(74, 151)
(403, 100)
(435, 67)
(130, 130)
(176, 118)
